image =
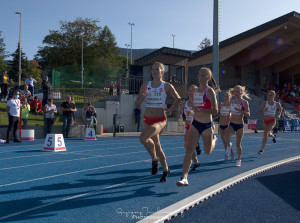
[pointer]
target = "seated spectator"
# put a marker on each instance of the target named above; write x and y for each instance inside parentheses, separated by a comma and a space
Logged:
(27, 94)
(36, 106)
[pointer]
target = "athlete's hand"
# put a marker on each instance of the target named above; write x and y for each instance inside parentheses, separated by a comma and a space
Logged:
(168, 112)
(196, 109)
(145, 92)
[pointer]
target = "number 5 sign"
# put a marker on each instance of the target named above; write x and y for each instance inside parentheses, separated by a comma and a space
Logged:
(54, 142)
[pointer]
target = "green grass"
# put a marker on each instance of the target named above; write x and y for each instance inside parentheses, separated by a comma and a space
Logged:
(32, 120)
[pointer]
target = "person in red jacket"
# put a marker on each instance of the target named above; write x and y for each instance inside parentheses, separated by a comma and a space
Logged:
(36, 106)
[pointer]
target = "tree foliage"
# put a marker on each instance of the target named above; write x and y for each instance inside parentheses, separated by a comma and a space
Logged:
(14, 66)
(64, 46)
(2, 65)
(3, 52)
(204, 44)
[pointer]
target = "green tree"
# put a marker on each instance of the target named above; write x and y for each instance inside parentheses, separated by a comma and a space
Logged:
(204, 44)
(14, 66)
(35, 70)
(63, 47)
(2, 65)
(3, 53)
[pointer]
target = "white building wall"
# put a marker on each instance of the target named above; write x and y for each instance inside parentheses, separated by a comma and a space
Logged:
(124, 113)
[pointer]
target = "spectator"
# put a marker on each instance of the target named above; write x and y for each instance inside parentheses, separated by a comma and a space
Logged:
(13, 110)
(111, 88)
(30, 83)
(27, 94)
(50, 110)
(36, 106)
(4, 82)
(137, 117)
(89, 112)
(46, 90)
(74, 118)
(68, 108)
(25, 112)
(118, 88)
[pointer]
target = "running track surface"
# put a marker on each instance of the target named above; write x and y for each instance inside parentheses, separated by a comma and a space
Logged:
(109, 180)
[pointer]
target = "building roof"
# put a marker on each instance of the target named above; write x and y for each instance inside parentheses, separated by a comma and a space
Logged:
(164, 50)
(261, 28)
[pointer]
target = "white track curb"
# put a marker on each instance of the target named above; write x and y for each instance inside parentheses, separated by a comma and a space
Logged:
(189, 202)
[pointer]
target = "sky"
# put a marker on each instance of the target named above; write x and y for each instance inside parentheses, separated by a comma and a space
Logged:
(154, 20)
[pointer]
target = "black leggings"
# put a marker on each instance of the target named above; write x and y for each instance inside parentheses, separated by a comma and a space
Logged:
(13, 122)
(3, 91)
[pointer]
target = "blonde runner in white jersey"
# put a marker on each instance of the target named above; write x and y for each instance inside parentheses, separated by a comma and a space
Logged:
(269, 121)
(270, 110)
(156, 97)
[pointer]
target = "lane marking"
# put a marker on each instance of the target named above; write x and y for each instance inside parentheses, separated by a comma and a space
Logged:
(79, 171)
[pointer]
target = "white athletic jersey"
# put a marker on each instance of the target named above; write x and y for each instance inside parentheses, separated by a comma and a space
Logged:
(224, 110)
(271, 109)
(156, 97)
(186, 111)
(14, 107)
(233, 106)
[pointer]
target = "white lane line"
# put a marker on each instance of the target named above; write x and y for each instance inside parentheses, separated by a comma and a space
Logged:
(102, 145)
(79, 171)
(62, 161)
(73, 197)
(91, 157)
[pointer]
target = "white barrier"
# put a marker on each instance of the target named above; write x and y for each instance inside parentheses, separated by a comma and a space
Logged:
(27, 134)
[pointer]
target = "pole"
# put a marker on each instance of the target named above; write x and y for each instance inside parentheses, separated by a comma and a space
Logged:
(216, 42)
(20, 129)
(127, 45)
(20, 70)
(131, 24)
(82, 61)
(173, 39)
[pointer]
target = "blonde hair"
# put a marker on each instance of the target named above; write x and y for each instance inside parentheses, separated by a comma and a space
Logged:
(193, 86)
(273, 92)
(228, 92)
(207, 70)
(161, 65)
(244, 92)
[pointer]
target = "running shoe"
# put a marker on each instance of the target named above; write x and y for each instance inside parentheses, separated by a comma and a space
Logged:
(198, 150)
(165, 176)
(196, 165)
(182, 182)
(260, 152)
(274, 139)
(238, 163)
(154, 167)
(227, 153)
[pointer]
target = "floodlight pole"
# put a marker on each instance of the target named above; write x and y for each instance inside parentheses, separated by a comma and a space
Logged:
(216, 42)
(20, 69)
(173, 39)
(82, 61)
(131, 24)
(127, 45)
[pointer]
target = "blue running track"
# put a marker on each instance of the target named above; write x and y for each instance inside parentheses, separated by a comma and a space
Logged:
(109, 180)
